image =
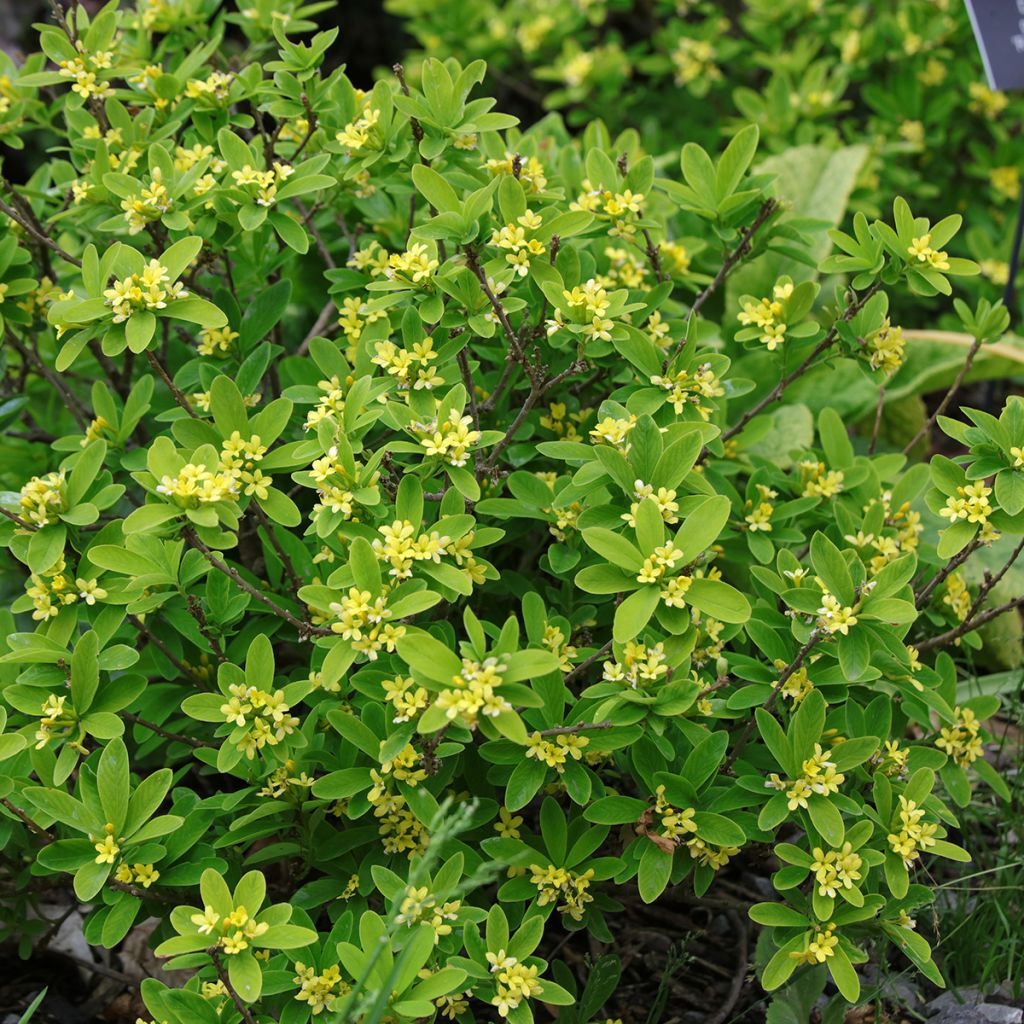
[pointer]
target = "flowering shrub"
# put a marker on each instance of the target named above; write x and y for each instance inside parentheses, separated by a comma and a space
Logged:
(407, 570)
(903, 82)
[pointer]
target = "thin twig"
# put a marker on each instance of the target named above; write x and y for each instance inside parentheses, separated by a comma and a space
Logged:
(74, 404)
(826, 343)
(38, 234)
(784, 676)
(738, 254)
(926, 428)
(179, 395)
(568, 730)
(218, 966)
(152, 638)
(921, 598)
(584, 665)
(969, 625)
(33, 825)
(304, 629)
(161, 731)
(31, 527)
(878, 419)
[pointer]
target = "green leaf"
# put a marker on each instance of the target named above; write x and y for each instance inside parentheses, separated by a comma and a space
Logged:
(112, 783)
(719, 600)
(245, 975)
(654, 871)
(634, 613)
(85, 672)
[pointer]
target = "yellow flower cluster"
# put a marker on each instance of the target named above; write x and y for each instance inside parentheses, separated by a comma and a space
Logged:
(566, 519)
(152, 202)
(885, 348)
(108, 847)
(659, 562)
(588, 303)
(709, 641)
(360, 132)
(361, 621)
(1017, 454)
(211, 91)
(962, 741)
(528, 169)
(690, 388)
(637, 666)
(970, 503)
(818, 946)
(405, 697)
(957, 595)
(819, 482)
(233, 932)
(554, 753)
(261, 186)
(515, 981)
(403, 766)
(216, 341)
(82, 70)
(419, 905)
(625, 270)
(985, 100)
(330, 404)
(416, 264)
(614, 432)
(675, 823)
(319, 989)
(818, 775)
(143, 291)
(43, 499)
(356, 315)
(52, 590)
(96, 429)
(137, 874)
(834, 617)
(797, 686)
(922, 252)
(621, 208)
(555, 641)
(766, 315)
(399, 829)
(52, 715)
(554, 884)
(277, 782)
(411, 369)
(710, 856)
(265, 717)
(195, 485)
(836, 869)
(759, 516)
(474, 691)
(564, 424)
(694, 59)
(449, 439)
(519, 248)
(664, 498)
(914, 835)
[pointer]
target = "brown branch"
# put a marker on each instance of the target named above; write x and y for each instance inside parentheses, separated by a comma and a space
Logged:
(769, 703)
(74, 404)
(876, 427)
(161, 731)
(179, 395)
(181, 666)
(653, 253)
(969, 625)
(950, 567)
(283, 555)
(991, 581)
(304, 629)
(31, 527)
(37, 233)
(738, 254)
(926, 428)
(33, 825)
(826, 343)
(218, 966)
(568, 730)
(584, 665)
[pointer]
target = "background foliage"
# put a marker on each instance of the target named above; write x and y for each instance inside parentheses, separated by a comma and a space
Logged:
(432, 534)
